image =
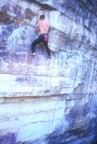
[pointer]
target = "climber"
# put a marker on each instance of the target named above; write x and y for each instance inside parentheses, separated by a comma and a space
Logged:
(42, 27)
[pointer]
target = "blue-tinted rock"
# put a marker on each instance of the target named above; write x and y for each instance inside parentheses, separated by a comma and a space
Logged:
(45, 100)
(8, 138)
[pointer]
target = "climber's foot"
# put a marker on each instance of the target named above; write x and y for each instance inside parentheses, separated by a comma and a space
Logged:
(33, 54)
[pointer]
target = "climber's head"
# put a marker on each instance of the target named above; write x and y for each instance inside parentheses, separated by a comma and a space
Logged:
(42, 17)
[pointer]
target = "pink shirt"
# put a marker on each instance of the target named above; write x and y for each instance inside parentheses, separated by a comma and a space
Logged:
(42, 26)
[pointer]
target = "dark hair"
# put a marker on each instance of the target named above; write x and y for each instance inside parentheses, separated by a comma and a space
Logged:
(42, 17)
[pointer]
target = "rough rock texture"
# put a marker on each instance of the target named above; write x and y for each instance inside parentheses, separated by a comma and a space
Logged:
(9, 138)
(48, 101)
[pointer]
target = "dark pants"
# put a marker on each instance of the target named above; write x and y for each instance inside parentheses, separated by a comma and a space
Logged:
(42, 38)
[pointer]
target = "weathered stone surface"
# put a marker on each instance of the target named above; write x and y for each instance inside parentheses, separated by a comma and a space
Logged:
(8, 138)
(48, 101)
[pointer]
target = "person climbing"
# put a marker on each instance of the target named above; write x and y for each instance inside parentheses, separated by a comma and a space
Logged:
(42, 27)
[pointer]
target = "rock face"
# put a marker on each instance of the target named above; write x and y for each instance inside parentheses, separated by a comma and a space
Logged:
(48, 101)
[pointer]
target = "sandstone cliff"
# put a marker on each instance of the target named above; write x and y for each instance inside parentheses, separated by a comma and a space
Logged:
(48, 101)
